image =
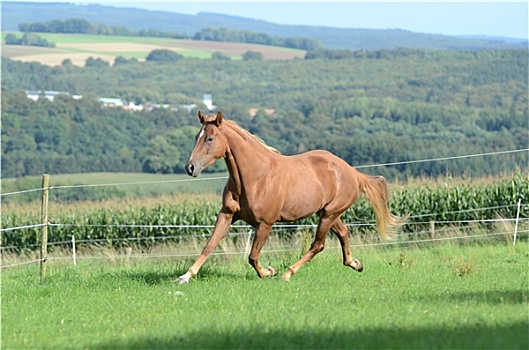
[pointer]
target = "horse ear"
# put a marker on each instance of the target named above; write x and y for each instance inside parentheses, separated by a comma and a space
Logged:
(201, 117)
(218, 120)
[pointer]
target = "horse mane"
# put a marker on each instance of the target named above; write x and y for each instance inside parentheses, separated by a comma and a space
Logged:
(249, 136)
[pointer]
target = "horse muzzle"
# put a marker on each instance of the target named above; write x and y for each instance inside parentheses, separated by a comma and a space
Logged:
(193, 170)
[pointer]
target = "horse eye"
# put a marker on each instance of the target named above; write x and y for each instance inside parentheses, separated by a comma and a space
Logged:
(209, 138)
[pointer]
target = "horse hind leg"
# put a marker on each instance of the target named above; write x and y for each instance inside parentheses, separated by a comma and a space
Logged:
(341, 231)
(316, 247)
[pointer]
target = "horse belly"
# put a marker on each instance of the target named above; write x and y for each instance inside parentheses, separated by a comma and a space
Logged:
(304, 199)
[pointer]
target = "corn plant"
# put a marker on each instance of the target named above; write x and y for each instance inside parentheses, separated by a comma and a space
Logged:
(145, 222)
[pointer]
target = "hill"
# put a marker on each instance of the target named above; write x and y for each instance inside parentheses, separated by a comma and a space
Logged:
(384, 107)
(14, 13)
(79, 47)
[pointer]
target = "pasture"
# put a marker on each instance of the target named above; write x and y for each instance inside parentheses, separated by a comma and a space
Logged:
(115, 185)
(78, 47)
(470, 292)
(444, 296)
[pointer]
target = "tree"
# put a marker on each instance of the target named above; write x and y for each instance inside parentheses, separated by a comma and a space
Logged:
(122, 60)
(11, 39)
(95, 62)
(220, 56)
(163, 55)
(29, 39)
(328, 54)
(67, 62)
(252, 55)
(161, 157)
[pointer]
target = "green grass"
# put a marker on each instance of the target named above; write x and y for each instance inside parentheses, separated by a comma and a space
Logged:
(448, 296)
(148, 183)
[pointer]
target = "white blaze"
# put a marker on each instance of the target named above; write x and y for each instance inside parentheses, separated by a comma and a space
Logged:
(200, 135)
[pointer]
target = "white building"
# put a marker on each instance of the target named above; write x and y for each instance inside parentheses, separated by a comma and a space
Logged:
(111, 102)
(208, 102)
(49, 95)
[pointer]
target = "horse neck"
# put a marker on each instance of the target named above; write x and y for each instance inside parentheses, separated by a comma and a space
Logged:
(245, 159)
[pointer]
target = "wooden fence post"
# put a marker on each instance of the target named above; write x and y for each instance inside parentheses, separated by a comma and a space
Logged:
(516, 222)
(44, 229)
(247, 249)
(432, 229)
(74, 254)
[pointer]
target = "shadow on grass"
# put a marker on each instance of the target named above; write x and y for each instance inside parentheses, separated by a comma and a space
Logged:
(150, 278)
(513, 336)
(153, 277)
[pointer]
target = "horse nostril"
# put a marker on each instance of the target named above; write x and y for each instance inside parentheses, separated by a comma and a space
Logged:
(190, 168)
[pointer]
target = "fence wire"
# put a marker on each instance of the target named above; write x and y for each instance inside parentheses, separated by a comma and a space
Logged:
(277, 249)
(282, 225)
(247, 228)
(225, 177)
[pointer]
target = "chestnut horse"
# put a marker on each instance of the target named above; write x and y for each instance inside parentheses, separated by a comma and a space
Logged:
(265, 187)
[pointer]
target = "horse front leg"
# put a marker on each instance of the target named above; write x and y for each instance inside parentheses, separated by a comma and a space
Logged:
(222, 225)
(261, 235)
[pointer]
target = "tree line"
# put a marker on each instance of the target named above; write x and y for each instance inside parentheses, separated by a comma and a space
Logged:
(81, 26)
(28, 39)
(381, 108)
(246, 36)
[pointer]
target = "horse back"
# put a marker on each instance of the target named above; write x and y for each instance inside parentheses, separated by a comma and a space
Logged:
(314, 179)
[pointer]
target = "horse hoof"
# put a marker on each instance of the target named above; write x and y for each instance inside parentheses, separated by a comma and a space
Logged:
(272, 271)
(182, 279)
(357, 265)
(286, 277)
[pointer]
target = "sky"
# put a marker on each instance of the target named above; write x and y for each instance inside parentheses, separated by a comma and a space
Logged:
(500, 19)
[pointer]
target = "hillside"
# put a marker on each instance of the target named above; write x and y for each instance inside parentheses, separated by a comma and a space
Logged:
(14, 13)
(79, 47)
(386, 106)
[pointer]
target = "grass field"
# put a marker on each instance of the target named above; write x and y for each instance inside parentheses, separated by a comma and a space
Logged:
(78, 47)
(446, 296)
(106, 185)
(146, 183)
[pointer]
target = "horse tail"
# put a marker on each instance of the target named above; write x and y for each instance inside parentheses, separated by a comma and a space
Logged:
(376, 191)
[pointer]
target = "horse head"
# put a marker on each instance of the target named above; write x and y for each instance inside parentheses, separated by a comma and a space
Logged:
(210, 144)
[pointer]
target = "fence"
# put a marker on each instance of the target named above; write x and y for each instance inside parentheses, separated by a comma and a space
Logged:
(433, 234)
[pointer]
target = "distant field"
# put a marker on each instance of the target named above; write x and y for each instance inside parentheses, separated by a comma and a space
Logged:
(78, 47)
(106, 185)
(151, 183)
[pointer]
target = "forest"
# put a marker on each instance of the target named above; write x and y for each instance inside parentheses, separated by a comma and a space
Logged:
(382, 106)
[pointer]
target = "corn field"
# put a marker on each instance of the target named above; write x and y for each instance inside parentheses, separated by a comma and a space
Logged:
(168, 219)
